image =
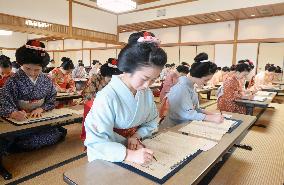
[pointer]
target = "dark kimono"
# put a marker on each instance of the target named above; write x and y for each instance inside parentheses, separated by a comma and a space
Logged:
(20, 93)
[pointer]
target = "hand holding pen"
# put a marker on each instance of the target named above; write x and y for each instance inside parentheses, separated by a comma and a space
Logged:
(140, 142)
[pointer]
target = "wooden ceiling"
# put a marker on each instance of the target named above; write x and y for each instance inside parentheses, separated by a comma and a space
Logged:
(245, 13)
(138, 1)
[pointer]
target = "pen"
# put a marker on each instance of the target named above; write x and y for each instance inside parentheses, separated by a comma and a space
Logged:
(221, 112)
(140, 142)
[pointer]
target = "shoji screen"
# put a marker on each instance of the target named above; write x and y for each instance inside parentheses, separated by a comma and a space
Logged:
(173, 54)
(103, 55)
(187, 54)
(223, 55)
(271, 53)
(209, 49)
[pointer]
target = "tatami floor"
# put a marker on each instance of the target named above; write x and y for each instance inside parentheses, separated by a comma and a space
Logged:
(263, 165)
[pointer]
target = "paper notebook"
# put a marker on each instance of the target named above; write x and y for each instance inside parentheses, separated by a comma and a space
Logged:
(259, 98)
(50, 115)
(210, 130)
(263, 93)
(172, 151)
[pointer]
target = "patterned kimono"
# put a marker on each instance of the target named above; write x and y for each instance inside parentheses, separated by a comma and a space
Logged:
(61, 81)
(116, 108)
(3, 79)
(94, 84)
(216, 79)
(171, 80)
(261, 80)
(183, 101)
(79, 72)
(231, 91)
(20, 93)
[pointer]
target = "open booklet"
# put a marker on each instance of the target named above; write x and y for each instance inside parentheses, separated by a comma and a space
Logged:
(263, 93)
(210, 130)
(172, 151)
(50, 115)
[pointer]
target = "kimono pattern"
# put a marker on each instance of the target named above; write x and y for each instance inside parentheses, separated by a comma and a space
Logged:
(262, 80)
(4, 78)
(79, 72)
(184, 102)
(115, 107)
(170, 80)
(62, 82)
(19, 88)
(94, 84)
(231, 91)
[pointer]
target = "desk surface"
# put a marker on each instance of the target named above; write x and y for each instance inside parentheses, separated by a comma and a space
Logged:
(258, 103)
(65, 96)
(206, 90)
(6, 127)
(276, 89)
(103, 172)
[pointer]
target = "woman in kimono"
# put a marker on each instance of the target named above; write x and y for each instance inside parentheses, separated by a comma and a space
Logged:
(29, 90)
(278, 74)
(219, 76)
(95, 68)
(61, 76)
(264, 79)
(79, 71)
(232, 89)
(5, 69)
(124, 110)
(172, 79)
(183, 98)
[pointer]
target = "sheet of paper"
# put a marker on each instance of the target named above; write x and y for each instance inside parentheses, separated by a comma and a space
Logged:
(263, 93)
(259, 98)
(170, 150)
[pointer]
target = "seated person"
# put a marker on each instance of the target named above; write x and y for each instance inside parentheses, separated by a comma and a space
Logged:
(5, 69)
(61, 76)
(183, 98)
(79, 71)
(264, 79)
(232, 89)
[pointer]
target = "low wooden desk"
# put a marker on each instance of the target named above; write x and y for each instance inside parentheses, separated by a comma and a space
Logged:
(276, 89)
(206, 91)
(105, 173)
(278, 82)
(250, 104)
(64, 96)
(8, 129)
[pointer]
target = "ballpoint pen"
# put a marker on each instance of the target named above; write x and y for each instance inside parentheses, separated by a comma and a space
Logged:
(140, 142)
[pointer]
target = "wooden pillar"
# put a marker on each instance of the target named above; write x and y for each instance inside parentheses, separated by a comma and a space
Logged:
(235, 43)
(70, 18)
(179, 41)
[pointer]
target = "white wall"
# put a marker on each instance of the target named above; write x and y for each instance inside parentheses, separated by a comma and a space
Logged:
(208, 32)
(72, 44)
(191, 8)
(187, 54)
(86, 57)
(103, 55)
(55, 45)
(88, 44)
(223, 55)
(209, 49)
(54, 11)
(172, 54)
(269, 27)
(9, 53)
(13, 41)
(93, 19)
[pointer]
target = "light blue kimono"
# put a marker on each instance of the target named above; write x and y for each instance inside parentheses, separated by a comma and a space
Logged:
(183, 101)
(116, 107)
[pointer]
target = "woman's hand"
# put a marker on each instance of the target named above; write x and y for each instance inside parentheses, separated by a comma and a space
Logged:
(216, 118)
(140, 156)
(133, 142)
(19, 115)
(36, 113)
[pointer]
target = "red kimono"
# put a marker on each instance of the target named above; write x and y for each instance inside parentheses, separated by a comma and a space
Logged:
(3, 79)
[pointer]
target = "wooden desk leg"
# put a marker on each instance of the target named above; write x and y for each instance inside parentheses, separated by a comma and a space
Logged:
(3, 172)
(208, 95)
(249, 111)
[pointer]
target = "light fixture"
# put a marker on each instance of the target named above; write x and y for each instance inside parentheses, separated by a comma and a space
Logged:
(189, 22)
(37, 23)
(252, 15)
(117, 6)
(218, 19)
(4, 32)
(164, 25)
(123, 30)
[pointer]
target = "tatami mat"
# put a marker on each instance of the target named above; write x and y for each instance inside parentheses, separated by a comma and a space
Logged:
(24, 164)
(264, 165)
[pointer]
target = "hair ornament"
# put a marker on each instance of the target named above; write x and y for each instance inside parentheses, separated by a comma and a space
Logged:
(148, 38)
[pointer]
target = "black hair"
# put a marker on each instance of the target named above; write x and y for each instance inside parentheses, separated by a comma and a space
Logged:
(67, 63)
(278, 69)
(133, 56)
(200, 57)
(270, 67)
(184, 64)
(167, 65)
(243, 65)
(5, 62)
(135, 36)
(106, 70)
(233, 67)
(16, 65)
(173, 64)
(202, 69)
(182, 69)
(226, 69)
(81, 64)
(27, 55)
(219, 68)
(52, 60)
(95, 61)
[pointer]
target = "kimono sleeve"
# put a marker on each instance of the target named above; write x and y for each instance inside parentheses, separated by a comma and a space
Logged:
(9, 98)
(101, 141)
(151, 123)
(49, 102)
